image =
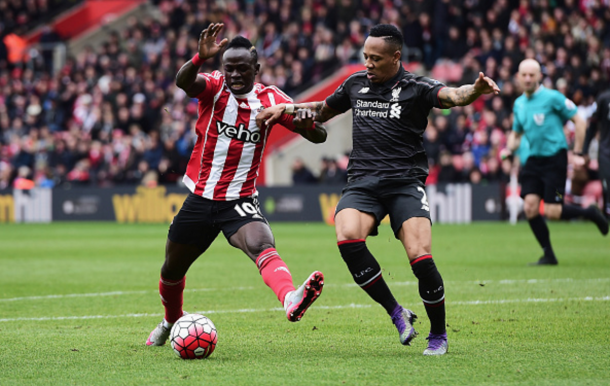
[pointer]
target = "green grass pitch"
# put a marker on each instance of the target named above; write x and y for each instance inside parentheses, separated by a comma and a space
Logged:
(78, 300)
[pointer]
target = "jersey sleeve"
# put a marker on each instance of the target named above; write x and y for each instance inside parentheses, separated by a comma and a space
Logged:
(564, 106)
(340, 100)
(280, 97)
(214, 82)
(428, 90)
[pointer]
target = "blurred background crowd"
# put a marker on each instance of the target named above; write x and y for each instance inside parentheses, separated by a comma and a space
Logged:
(112, 114)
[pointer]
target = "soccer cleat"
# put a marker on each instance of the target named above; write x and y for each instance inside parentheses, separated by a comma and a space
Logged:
(599, 219)
(403, 319)
(545, 260)
(437, 344)
(159, 335)
(299, 300)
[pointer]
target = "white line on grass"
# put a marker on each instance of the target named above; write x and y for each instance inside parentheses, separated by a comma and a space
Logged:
(248, 310)
(403, 283)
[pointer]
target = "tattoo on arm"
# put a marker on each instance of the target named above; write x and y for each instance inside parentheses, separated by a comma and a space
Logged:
(461, 96)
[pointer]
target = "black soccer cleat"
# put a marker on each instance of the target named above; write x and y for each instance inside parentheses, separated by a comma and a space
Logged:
(545, 260)
(599, 219)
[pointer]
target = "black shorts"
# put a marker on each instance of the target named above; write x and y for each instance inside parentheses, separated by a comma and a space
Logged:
(545, 177)
(200, 220)
(401, 198)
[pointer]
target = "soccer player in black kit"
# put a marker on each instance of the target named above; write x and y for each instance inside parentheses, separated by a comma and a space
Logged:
(601, 122)
(387, 172)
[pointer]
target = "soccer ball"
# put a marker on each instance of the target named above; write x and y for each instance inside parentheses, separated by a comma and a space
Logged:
(193, 336)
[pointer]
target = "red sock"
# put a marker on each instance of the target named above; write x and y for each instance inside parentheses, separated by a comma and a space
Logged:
(171, 297)
(275, 273)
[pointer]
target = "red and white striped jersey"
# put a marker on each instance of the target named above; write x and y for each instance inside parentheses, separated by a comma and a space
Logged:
(226, 158)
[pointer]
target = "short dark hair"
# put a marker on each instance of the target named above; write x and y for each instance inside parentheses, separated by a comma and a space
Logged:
(389, 33)
(242, 42)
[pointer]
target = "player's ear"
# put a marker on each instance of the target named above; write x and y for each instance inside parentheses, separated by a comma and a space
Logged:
(257, 68)
(397, 56)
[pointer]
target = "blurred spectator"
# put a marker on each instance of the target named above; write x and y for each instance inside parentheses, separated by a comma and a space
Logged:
(331, 174)
(301, 175)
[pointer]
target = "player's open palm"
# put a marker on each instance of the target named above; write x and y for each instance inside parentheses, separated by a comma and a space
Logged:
(208, 46)
(486, 85)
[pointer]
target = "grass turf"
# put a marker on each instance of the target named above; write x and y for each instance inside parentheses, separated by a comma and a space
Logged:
(77, 301)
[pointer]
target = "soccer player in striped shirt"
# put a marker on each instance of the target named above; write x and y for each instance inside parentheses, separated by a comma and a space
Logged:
(221, 176)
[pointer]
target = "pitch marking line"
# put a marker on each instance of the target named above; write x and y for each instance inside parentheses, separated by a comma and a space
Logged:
(404, 283)
(352, 306)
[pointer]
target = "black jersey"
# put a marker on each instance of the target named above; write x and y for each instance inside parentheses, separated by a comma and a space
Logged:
(601, 122)
(389, 122)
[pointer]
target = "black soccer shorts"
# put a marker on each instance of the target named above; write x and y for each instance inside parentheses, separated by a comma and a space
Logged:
(401, 198)
(545, 177)
(200, 220)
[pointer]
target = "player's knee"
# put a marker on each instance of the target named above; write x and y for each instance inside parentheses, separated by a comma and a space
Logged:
(531, 207)
(553, 211)
(255, 249)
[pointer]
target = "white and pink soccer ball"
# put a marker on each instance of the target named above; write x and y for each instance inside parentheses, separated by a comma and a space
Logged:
(193, 336)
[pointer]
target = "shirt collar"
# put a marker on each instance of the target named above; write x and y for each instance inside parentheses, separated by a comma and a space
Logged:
(391, 83)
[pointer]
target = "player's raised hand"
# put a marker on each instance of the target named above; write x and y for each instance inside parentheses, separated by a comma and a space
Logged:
(270, 115)
(486, 85)
(208, 46)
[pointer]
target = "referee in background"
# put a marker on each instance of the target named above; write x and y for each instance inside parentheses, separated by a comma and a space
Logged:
(539, 114)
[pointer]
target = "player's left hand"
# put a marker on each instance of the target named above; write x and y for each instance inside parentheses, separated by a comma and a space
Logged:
(304, 119)
(270, 115)
(486, 85)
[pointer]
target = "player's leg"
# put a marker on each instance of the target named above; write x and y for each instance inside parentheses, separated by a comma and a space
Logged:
(248, 230)
(190, 234)
(358, 214)
(410, 220)
(604, 176)
(532, 191)
(554, 178)
(352, 228)
(416, 237)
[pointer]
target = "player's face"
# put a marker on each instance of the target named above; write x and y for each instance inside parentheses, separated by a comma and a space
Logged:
(240, 70)
(380, 59)
(529, 76)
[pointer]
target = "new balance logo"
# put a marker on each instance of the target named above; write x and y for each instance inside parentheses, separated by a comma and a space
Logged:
(240, 133)
(363, 90)
(395, 111)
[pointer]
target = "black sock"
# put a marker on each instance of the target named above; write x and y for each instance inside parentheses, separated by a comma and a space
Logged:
(569, 212)
(541, 231)
(367, 272)
(432, 291)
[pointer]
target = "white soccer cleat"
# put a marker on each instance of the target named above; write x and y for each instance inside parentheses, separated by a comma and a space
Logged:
(437, 344)
(299, 300)
(160, 334)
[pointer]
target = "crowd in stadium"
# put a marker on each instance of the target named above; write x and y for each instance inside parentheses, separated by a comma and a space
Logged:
(113, 114)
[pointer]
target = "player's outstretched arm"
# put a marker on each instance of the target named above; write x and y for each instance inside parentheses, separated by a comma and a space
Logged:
(187, 77)
(270, 115)
(309, 129)
(512, 144)
(465, 95)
